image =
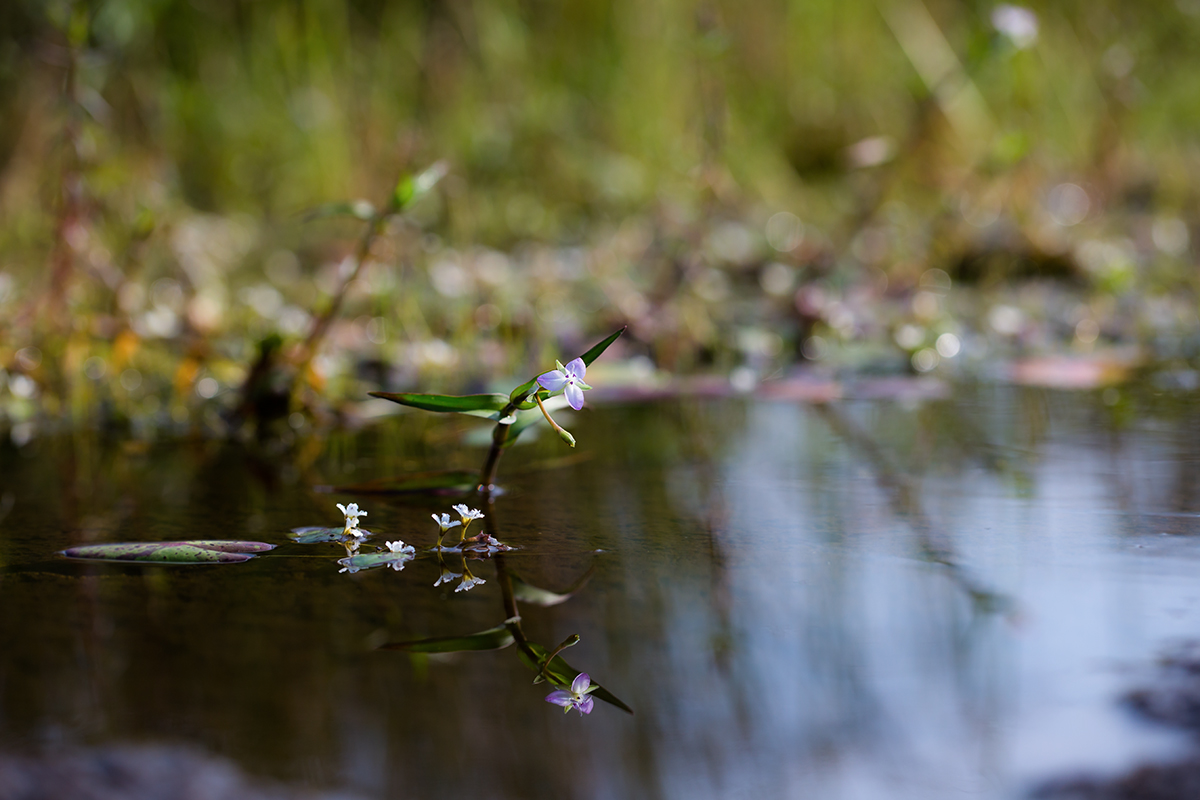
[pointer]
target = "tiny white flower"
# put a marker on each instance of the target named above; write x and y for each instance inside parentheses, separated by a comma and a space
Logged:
(352, 514)
(444, 522)
(469, 582)
(446, 577)
(467, 514)
(398, 546)
(349, 566)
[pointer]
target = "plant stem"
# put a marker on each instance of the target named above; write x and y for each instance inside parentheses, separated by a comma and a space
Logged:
(487, 476)
(322, 322)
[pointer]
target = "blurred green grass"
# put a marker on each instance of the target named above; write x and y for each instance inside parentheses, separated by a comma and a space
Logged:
(939, 170)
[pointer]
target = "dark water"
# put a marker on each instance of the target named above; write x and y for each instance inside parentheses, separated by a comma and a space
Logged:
(874, 599)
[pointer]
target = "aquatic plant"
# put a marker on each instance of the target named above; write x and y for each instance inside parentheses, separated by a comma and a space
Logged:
(445, 524)
(516, 411)
(568, 380)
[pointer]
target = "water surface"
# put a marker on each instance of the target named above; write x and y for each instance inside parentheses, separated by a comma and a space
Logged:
(871, 599)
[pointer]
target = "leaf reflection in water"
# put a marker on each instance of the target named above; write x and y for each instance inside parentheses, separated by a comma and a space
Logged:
(547, 664)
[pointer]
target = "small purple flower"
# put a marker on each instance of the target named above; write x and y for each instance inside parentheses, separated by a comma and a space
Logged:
(578, 698)
(568, 379)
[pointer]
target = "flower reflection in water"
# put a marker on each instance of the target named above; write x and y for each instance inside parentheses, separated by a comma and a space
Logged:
(577, 697)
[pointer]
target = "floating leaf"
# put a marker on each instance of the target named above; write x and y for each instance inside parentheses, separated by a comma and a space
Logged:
(496, 638)
(563, 673)
(318, 535)
(386, 558)
(487, 406)
(359, 209)
(191, 552)
(442, 482)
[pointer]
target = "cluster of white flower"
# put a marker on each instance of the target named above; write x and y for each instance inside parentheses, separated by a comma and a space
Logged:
(352, 514)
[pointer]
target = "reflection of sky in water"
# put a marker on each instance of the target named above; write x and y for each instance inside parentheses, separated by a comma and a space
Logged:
(859, 670)
(785, 599)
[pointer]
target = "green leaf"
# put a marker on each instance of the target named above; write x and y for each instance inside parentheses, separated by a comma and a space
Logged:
(410, 189)
(191, 552)
(521, 392)
(487, 406)
(563, 673)
(359, 209)
(496, 638)
(317, 535)
(595, 352)
(373, 560)
(442, 482)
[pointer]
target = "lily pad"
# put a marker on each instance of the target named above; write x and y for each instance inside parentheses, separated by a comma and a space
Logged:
(363, 561)
(317, 535)
(496, 638)
(189, 552)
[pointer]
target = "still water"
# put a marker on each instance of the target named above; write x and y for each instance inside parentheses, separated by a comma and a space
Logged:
(877, 598)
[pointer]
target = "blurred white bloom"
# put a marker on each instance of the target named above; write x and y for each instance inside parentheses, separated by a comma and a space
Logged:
(352, 514)
(1017, 23)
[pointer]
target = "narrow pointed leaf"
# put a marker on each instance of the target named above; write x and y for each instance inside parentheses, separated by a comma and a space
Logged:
(442, 482)
(492, 639)
(595, 352)
(191, 552)
(487, 406)
(564, 673)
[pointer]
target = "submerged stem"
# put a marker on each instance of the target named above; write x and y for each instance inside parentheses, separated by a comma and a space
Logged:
(487, 477)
